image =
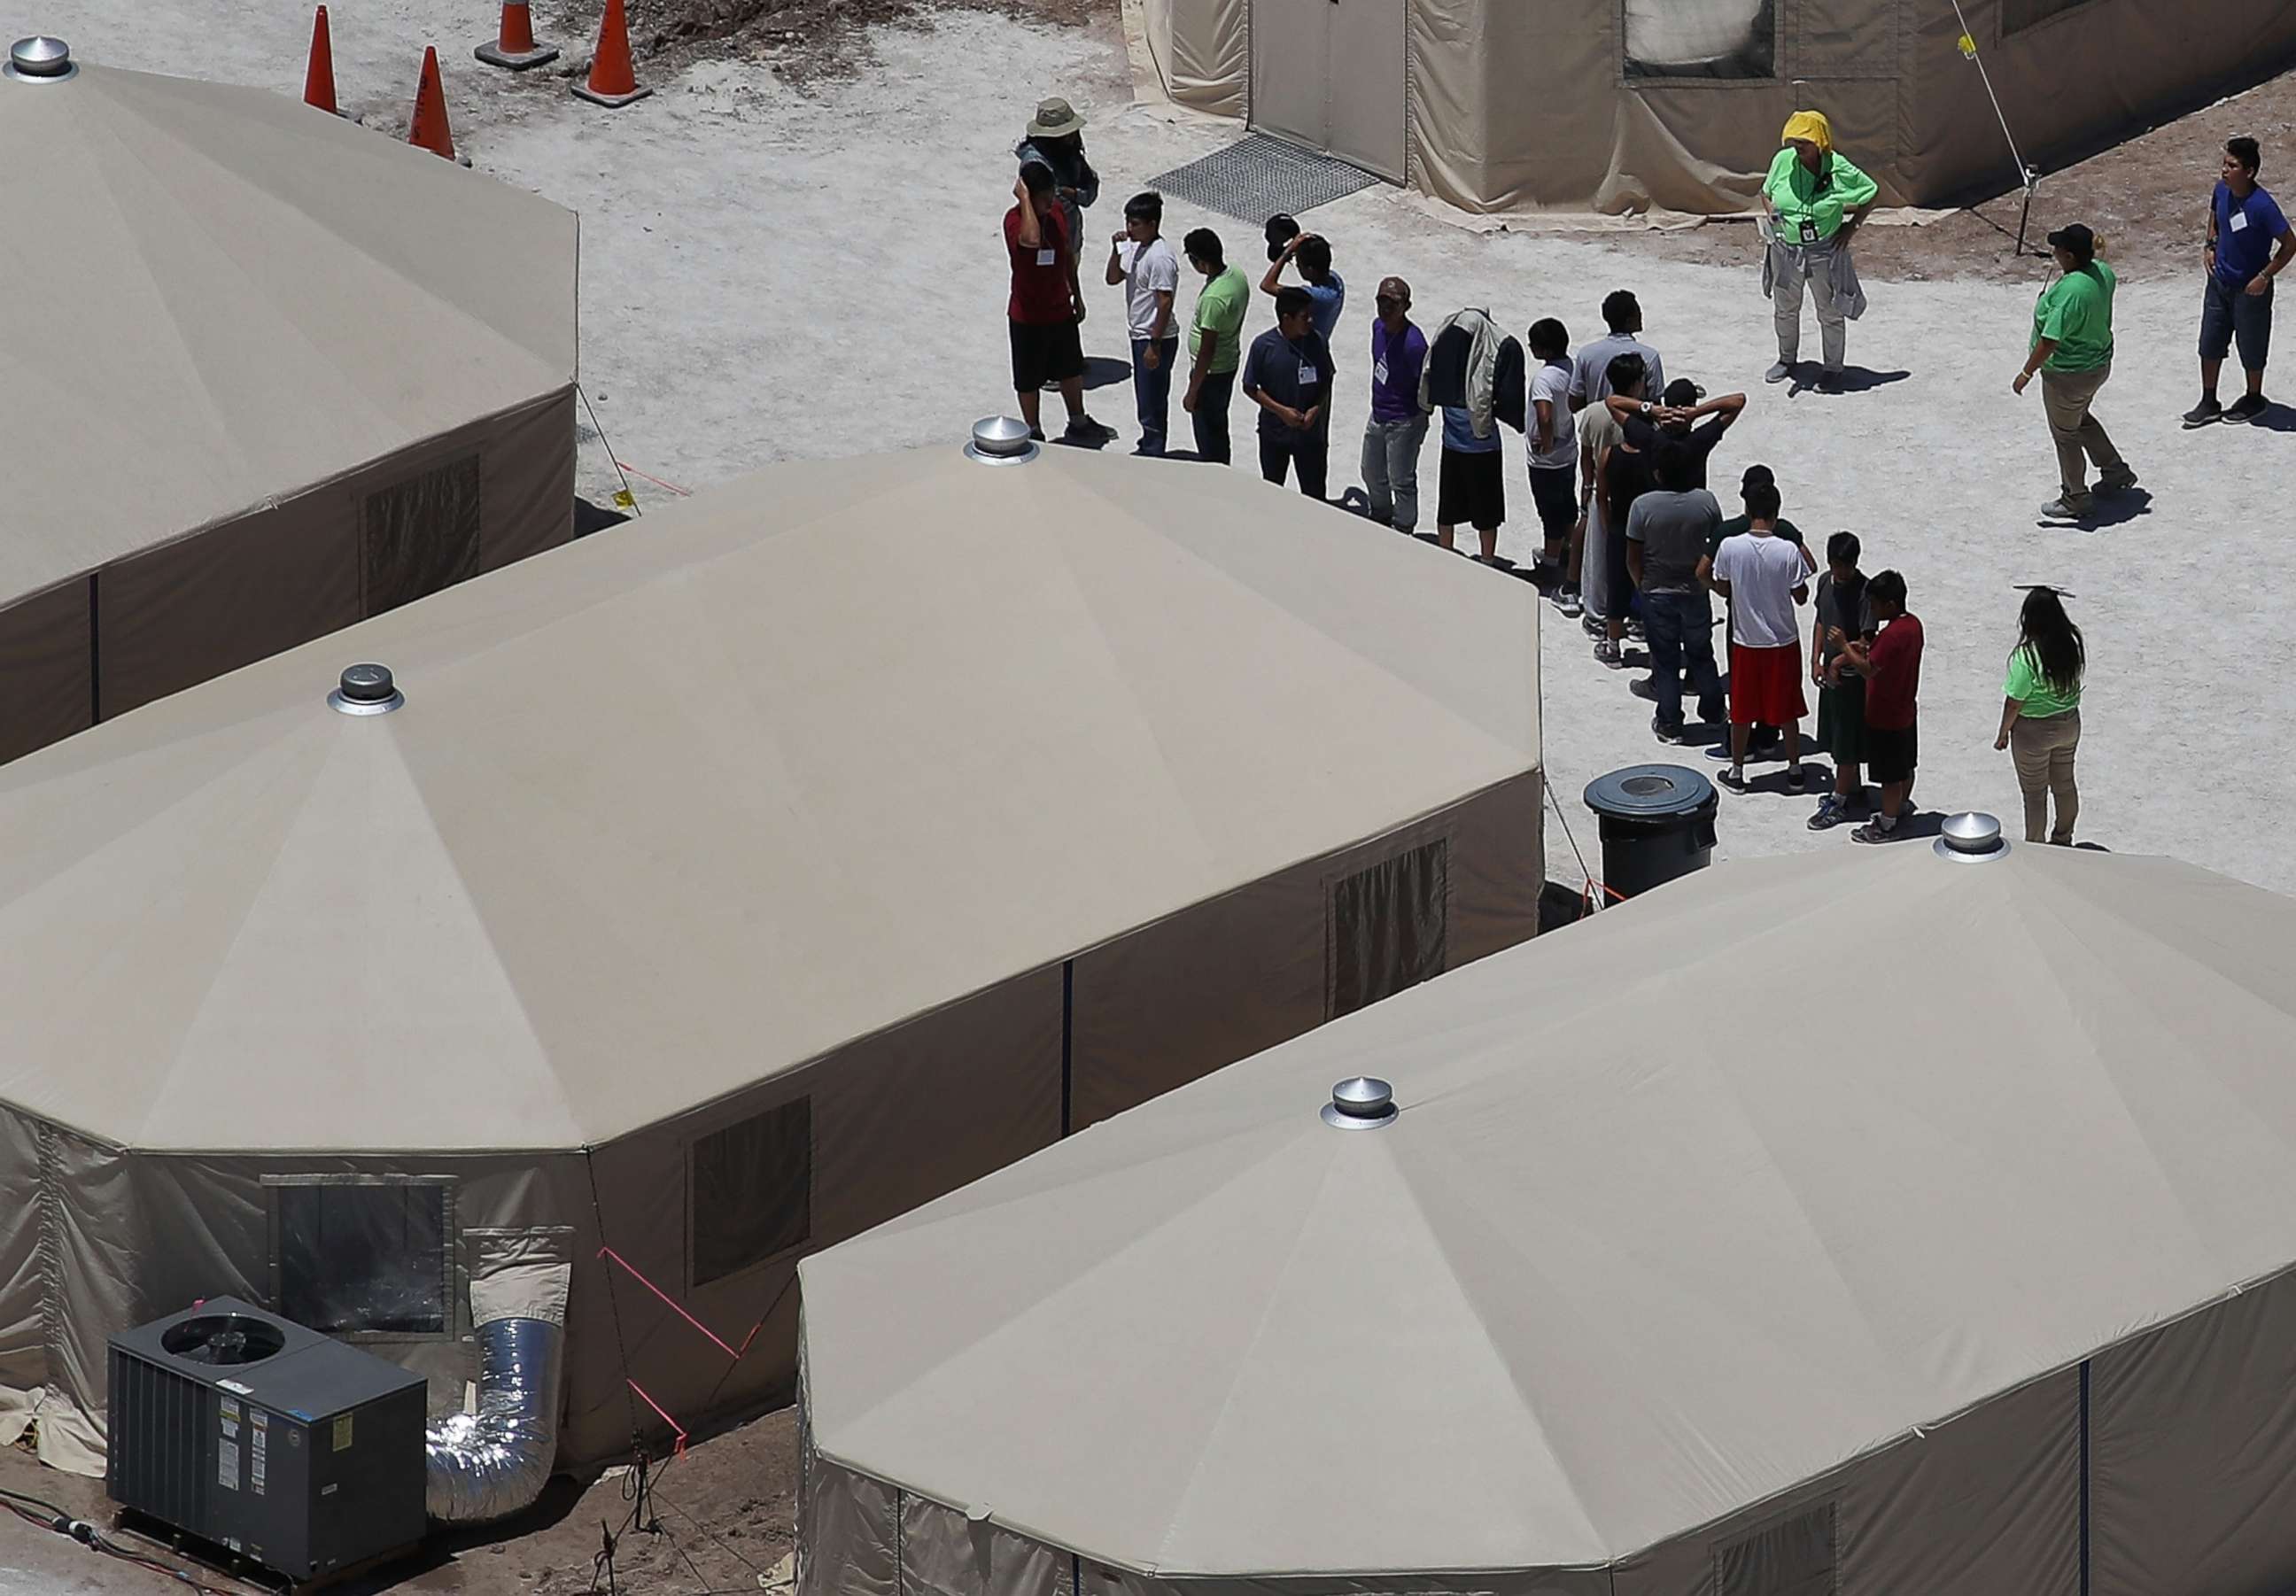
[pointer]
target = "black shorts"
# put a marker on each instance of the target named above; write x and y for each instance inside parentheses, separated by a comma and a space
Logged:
(1472, 491)
(1554, 490)
(1891, 752)
(2226, 312)
(1044, 352)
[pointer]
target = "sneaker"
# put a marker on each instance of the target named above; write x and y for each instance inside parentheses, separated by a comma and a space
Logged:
(2058, 510)
(1779, 372)
(2201, 414)
(2244, 410)
(1874, 830)
(1666, 730)
(1566, 599)
(1084, 428)
(1607, 653)
(1719, 752)
(2126, 480)
(1036, 435)
(1797, 778)
(1645, 687)
(1635, 629)
(1831, 813)
(1594, 626)
(1735, 779)
(1829, 381)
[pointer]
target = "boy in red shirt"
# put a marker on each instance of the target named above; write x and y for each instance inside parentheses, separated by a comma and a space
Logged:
(1892, 664)
(1046, 307)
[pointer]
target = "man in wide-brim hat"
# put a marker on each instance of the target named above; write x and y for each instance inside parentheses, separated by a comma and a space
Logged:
(1055, 136)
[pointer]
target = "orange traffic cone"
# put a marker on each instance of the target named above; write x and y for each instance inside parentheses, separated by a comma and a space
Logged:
(319, 77)
(429, 129)
(612, 81)
(514, 45)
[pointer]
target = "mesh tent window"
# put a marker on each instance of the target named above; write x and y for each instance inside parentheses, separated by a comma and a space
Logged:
(2018, 15)
(354, 1256)
(1795, 1556)
(1719, 39)
(750, 1191)
(1386, 928)
(419, 536)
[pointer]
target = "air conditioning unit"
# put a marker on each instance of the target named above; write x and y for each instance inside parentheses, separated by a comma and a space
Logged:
(240, 1428)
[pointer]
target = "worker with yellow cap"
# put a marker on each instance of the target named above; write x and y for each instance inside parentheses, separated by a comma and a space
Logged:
(1813, 201)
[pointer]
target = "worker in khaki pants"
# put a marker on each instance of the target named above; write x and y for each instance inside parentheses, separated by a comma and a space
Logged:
(2072, 350)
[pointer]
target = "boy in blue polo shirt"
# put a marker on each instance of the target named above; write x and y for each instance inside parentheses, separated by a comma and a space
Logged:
(2248, 243)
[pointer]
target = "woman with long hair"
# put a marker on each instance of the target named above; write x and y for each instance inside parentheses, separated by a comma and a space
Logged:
(2040, 713)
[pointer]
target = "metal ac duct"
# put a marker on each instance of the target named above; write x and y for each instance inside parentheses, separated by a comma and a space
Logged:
(491, 1463)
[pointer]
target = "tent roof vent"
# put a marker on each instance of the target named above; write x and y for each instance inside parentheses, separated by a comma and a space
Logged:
(1971, 837)
(40, 59)
(366, 689)
(1361, 1103)
(1000, 440)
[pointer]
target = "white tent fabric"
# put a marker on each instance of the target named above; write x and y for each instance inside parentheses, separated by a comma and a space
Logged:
(928, 794)
(230, 313)
(1702, 1212)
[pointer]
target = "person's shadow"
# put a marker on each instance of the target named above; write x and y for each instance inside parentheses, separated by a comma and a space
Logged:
(2109, 510)
(2275, 418)
(1855, 379)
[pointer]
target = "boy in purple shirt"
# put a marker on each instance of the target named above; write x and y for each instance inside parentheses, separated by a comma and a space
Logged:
(1398, 426)
(2248, 243)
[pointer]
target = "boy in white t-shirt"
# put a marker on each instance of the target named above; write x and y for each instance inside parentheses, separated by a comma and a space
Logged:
(1763, 577)
(1140, 259)
(1553, 437)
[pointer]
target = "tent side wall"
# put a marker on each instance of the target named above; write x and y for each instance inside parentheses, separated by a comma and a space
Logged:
(451, 507)
(1987, 1503)
(880, 1127)
(1203, 53)
(46, 669)
(2075, 80)
(1172, 1002)
(121, 1237)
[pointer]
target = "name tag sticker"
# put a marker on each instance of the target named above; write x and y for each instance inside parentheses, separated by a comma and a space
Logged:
(1047, 258)
(2240, 221)
(1309, 376)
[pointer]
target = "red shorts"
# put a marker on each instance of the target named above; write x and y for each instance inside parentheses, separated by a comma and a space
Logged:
(1765, 685)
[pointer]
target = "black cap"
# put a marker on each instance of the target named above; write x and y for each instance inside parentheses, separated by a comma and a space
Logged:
(2075, 240)
(1280, 231)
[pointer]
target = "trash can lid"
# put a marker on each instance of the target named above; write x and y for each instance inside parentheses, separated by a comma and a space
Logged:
(1649, 793)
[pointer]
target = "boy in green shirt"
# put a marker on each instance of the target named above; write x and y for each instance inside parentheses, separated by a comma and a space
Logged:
(2072, 350)
(1215, 343)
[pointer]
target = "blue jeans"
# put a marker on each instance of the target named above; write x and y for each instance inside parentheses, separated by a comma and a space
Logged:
(1152, 391)
(1679, 628)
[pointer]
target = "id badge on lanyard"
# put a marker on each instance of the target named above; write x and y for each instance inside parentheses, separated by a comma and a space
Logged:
(1808, 231)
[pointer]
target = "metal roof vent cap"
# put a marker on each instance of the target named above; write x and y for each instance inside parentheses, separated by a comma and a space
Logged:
(366, 689)
(1361, 1103)
(1971, 837)
(1000, 440)
(40, 59)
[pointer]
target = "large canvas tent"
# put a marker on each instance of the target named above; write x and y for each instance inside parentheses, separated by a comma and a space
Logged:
(1871, 1222)
(1621, 105)
(725, 885)
(267, 373)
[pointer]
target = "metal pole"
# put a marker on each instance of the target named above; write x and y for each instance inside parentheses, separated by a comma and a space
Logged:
(2026, 174)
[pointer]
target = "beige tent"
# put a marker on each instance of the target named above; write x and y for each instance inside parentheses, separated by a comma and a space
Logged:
(266, 372)
(1621, 105)
(1873, 1221)
(726, 885)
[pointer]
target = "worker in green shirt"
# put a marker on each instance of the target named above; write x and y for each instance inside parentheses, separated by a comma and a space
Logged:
(2072, 350)
(1813, 200)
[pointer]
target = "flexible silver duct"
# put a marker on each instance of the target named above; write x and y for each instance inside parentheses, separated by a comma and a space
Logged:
(489, 1464)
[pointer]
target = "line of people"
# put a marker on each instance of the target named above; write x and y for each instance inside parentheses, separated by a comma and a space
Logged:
(1633, 543)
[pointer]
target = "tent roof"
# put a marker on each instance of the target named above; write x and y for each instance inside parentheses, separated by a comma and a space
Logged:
(220, 296)
(1683, 1207)
(681, 805)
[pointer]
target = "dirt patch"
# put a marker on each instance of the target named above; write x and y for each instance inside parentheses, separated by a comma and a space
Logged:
(802, 41)
(2147, 198)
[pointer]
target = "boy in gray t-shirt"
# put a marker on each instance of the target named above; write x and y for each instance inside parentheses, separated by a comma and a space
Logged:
(1666, 543)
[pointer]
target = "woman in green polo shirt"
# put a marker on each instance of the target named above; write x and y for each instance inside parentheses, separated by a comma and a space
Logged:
(2040, 713)
(2073, 350)
(1813, 199)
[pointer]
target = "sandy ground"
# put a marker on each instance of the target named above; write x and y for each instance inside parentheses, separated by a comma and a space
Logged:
(775, 271)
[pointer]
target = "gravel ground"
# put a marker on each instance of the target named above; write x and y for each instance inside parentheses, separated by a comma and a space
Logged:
(772, 270)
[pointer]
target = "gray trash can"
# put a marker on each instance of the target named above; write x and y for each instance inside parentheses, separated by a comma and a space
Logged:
(1657, 823)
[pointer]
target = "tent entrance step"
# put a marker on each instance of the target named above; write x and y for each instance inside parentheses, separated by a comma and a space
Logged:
(1259, 175)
